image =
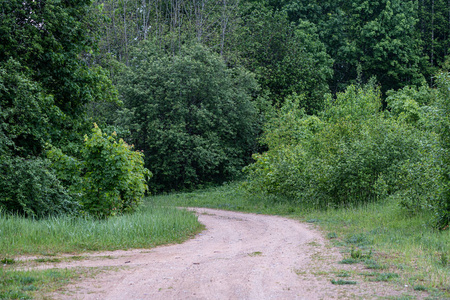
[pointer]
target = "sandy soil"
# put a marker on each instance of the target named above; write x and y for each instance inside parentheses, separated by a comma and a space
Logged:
(238, 256)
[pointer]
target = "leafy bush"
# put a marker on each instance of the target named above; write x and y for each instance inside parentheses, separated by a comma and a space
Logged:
(28, 185)
(114, 179)
(443, 212)
(349, 154)
(109, 179)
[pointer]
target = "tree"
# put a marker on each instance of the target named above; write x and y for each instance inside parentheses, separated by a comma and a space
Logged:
(443, 212)
(45, 85)
(191, 115)
(434, 30)
(366, 39)
(47, 38)
(286, 58)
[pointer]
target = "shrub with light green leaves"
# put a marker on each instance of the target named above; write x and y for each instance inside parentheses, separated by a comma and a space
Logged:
(349, 154)
(110, 178)
(114, 177)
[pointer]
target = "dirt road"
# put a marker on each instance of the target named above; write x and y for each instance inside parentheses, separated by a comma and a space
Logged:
(238, 256)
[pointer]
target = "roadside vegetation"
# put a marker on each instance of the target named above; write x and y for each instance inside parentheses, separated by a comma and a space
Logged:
(48, 238)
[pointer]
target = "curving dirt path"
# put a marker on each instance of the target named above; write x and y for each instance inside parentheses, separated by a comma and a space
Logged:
(238, 256)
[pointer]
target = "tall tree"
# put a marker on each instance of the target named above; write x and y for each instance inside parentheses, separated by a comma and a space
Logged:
(192, 116)
(434, 28)
(45, 85)
(287, 58)
(46, 39)
(366, 38)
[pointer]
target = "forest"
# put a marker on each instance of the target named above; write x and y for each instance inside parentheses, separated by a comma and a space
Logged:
(323, 104)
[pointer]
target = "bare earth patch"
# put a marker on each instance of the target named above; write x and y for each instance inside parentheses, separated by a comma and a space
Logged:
(238, 256)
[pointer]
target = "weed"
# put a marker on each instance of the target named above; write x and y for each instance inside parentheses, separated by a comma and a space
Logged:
(332, 235)
(343, 274)
(373, 264)
(23, 284)
(369, 274)
(27, 280)
(385, 276)
(300, 272)
(402, 297)
(349, 261)
(420, 288)
(314, 244)
(76, 257)
(319, 273)
(342, 282)
(7, 261)
(44, 260)
(356, 253)
(359, 240)
(443, 259)
(256, 253)
(312, 220)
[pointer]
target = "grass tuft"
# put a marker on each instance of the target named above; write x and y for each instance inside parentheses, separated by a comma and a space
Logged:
(342, 282)
(349, 261)
(385, 277)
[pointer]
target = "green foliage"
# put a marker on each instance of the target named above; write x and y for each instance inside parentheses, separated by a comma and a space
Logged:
(366, 39)
(30, 187)
(45, 86)
(114, 179)
(342, 282)
(149, 227)
(27, 114)
(287, 58)
(349, 154)
(192, 116)
(48, 47)
(110, 179)
(415, 106)
(443, 81)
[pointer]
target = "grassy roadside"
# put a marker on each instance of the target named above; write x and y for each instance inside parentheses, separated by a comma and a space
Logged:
(380, 236)
(147, 228)
(34, 284)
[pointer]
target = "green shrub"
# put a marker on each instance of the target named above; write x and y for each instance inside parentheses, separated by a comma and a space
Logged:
(109, 178)
(350, 154)
(114, 179)
(443, 212)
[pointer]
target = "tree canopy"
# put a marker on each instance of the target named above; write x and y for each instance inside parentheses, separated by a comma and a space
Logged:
(192, 116)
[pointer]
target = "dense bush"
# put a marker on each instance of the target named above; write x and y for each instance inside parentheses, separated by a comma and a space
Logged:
(192, 116)
(109, 179)
(30, 187)
(351, 153)
(443, 82)
(45, 87)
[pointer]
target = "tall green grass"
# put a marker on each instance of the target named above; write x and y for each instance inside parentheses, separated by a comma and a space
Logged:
(149, 227)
